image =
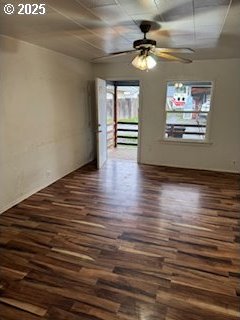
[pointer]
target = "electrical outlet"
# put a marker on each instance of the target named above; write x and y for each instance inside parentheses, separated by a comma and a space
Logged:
(48, 173)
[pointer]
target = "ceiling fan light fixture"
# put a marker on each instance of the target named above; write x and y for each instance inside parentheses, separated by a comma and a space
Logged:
(178, 85)
(144, 62)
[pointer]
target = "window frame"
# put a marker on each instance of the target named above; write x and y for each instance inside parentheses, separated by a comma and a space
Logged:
(209, 117)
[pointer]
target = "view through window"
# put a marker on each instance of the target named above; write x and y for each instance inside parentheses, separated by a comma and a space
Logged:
(187, 110)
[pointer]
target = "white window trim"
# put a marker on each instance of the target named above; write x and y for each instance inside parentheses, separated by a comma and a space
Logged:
(190, 142)
(207, 140)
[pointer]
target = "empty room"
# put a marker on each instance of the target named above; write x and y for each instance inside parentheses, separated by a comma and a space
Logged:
(120, 160)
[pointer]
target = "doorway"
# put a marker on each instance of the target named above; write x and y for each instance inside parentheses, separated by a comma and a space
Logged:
(122, 111)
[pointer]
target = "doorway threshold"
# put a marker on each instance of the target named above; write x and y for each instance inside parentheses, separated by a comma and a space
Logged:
(123, 153)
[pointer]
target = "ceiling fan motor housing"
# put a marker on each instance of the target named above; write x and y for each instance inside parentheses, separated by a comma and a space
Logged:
(144, 44)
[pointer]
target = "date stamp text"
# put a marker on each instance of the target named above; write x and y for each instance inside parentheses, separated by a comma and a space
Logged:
(25, 9)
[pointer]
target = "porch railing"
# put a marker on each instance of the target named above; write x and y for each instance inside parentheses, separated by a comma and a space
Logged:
(178, 130)
(110, 135)
(127, 133)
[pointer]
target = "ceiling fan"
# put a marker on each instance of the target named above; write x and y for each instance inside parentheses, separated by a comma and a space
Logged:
(146, 50)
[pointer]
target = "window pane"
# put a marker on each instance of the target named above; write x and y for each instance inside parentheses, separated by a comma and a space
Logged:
(183, 125)
(187, 106)
(189, 96)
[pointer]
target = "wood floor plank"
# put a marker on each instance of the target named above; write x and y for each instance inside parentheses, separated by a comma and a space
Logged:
(127, 242)
(24, 306)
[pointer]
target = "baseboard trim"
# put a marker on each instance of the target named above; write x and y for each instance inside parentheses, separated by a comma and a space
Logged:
(192, 168)
(29, 194)
(22, 198)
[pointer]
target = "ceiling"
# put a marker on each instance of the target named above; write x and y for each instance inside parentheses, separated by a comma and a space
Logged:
(89, 29)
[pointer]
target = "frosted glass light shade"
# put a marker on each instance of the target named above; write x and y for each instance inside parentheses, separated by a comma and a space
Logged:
(144, 62)
(178, 85)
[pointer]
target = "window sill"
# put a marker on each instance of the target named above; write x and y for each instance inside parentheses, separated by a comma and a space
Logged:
(186, 142)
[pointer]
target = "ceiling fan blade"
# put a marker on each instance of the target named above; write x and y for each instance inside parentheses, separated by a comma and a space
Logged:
(182, 10)
(170, 57)
(116, 54)
(174, 50)
(163, 33)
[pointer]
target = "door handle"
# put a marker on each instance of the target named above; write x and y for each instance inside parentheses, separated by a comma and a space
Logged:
(98, 129)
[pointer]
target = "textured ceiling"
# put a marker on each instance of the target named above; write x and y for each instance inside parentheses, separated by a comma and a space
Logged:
(92, 28)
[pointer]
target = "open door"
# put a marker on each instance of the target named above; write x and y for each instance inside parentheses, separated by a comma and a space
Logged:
(101, 122)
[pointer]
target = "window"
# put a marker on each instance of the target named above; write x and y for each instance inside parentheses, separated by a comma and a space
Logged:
(187, 110)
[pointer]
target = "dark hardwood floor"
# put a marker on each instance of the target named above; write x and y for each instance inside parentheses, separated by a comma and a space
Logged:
(127, 242)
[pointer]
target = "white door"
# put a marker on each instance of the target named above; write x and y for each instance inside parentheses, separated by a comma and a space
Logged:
(101, 100)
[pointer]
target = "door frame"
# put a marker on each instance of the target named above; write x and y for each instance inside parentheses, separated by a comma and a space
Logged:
(100, 130)
(140, 110)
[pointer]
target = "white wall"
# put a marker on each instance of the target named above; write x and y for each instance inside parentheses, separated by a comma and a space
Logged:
(45, 122)
(224, 152)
